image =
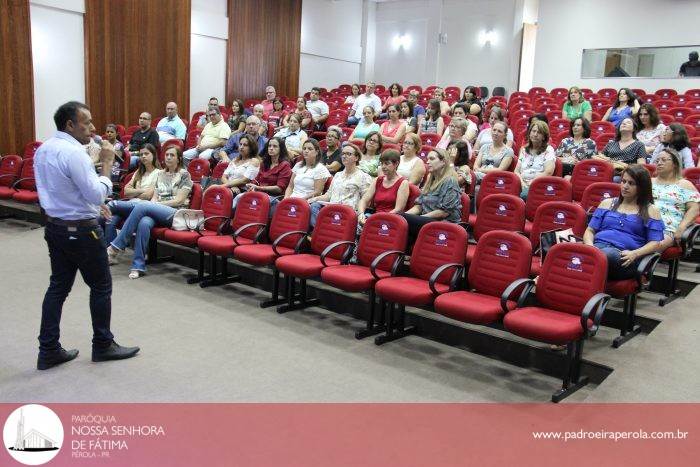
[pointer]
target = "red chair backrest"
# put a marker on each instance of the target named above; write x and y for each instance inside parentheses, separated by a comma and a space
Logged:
(546, 189)
(602, 140)
(191, 140)
(335, 222)
(498, 182)
(125, 182)
(430, 139)
(438, 243)
(598, 128)
(413, 194)
(607, 93)
(557, 215)
(589, 171)
(291, 214)
(558, 125)
(382, 231)
(520, 114)
(666, 93)
(597, 192)
(693, 175)
(500, 258)
(27, 172)
(571, 274)
(196, 196)
(10, 167)
(651, 168)
(219, 169)
(693, 93)
(466, 207)
(216, 201)
(500, 212)
(559, 92)
(253, 206)
(30, 149)
(198, 168)
(680, 113)
(693, 120)
(132, 129)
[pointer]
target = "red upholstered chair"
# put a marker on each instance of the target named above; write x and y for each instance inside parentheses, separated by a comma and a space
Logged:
(191, 140)
(607, 93)
(413, 194)
(666, 93)
(500, 212)
(543, 190)
(598, 128)
(693, 93)
(536, 91)
(25, 186)
(649, 98)
(664, 106)
(597, 192)
(627, 291)
(589, 171)
(600, 105)
(134, 128)
(500, 258)
(558, 93)
(437, 262)
(570, 306)
(651, 168)
(519, 95)
(219, 170)
(672, 256)
(424, 150)
(414, 87)
(31, 147)
(331, 245)
(514, 116)
(10, 168)
(693, 120)
(248, 225)
(199, 168)
(383, 238)
(554, 215)
(498, 182)
(602, 140)
(680, 113)
(430, 139)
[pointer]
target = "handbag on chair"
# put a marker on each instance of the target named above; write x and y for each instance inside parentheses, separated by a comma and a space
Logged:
(187, 219)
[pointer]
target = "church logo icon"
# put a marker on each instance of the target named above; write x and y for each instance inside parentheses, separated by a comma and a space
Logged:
(33, 434)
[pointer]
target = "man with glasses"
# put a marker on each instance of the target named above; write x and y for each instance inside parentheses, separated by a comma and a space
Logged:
(369, 98)
(331, 156)
(230, 149)
(418, 109)
(213, 136)
(144, 135)
(204, 119)
(270, 95)
(171, 126)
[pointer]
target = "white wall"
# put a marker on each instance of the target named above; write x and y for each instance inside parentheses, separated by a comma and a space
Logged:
(209, 37)
(606, 24)
(58, 56)
(331, 43)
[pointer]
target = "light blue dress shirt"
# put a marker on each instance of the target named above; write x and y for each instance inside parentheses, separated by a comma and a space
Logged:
(175, 127)
(68, 186)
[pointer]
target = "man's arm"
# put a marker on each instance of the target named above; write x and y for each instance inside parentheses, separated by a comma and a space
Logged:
(93, 189)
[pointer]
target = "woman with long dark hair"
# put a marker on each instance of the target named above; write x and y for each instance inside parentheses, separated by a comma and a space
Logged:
(275, 169)
(626, 106)
(675, 136)
(629, 227)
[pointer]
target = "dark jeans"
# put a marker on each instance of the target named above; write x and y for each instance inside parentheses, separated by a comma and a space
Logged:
(615, 270)
(78, 249)
(415, 223)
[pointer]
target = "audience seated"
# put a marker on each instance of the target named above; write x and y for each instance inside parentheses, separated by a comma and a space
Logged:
(629, 227)
(626, 105)
(276, 117)
(204, 119)
(461, 111)
(139, 188)
(576, 106)
(267, 103)
(440, 198)
(395, 97)
(366, 125)
(676, 198)
(649, 126)
(172, 191)
(536, 158)
(243, 169)
(368, 99)
(469, 98)
(418, 110)
(213, 136)
(675, 136)
(439, 95)
(236, 121)
(459, 153)
(301, 109)
(308, 175)
(456, 131)
(394, 129)
(388, 193)
(112, 138)
(318, 109)
(293, 135)
(494, 154)
(275, 169)
(496, 115)
(411, 166)
(171, 126)
(406, 114)
(259, 111)
(624, 149)
(144, 135)
(230, 149)
(331, 156)
(369, 163)
(433, 122)
(355, 92)
(347, 187)
(577, 146)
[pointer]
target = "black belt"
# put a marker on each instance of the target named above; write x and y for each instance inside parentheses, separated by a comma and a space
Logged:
(73, 223)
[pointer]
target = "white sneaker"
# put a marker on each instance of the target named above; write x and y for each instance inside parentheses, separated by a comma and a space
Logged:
(113, 255)
(135, 274)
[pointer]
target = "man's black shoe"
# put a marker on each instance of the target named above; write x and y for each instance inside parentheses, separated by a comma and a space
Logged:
(113, 352)
(44, 362)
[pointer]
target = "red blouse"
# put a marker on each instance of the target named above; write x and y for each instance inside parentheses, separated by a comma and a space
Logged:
(278, 175)
(385, 198)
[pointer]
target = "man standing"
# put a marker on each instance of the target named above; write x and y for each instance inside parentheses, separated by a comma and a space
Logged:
(213, 136)
(691, 67)
(363, 100)
(230, 149)
(70, 192)
(318, 108)
(171, 126)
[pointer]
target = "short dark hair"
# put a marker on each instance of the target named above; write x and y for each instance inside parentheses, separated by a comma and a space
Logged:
(214, 99)
(390, 155)
(68, 112)
(584, 123)
(693, 56)
(318, 90)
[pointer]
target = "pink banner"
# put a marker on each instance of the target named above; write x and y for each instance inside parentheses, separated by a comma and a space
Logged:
(352, 434)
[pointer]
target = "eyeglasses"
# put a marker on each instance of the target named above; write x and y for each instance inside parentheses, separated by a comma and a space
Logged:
(347, 154)
(663, 159)
(373, 141)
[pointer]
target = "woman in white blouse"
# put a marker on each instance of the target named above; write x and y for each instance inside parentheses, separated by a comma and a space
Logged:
(650, 127)
(411, 166)
(537, 158)
(309, 175)
(293, 135)
(244, 168)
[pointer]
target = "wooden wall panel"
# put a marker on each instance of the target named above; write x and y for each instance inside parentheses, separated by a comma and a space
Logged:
(263, 48)
(137, 56)
(16, 77)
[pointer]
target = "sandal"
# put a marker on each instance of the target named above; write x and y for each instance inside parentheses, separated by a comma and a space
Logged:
(113, 255)
(135, 274)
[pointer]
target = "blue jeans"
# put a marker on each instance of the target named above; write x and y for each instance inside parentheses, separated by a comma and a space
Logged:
(79, 249)
(315, 209)
(143, 217)
(120, 211)
(615, 269)
(352, 120)
(133, 161)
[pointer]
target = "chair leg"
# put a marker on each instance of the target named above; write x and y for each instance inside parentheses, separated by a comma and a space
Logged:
(200, 270)
(401, 331)
(629, 328)
(275, 300)
(572, 381)
(302, 300)
(671, 292)
(371, 329)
